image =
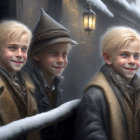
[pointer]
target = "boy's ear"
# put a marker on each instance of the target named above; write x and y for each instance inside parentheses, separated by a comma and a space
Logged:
(107, 58)
(36, 58)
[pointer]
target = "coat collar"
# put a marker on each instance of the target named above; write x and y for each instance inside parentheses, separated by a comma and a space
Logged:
(40, 79)
(131, 92)
(128, 90)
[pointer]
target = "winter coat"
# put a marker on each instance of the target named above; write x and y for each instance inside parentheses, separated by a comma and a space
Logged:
(41, 87)
(16, 103)
(62, 130)
(104, 114)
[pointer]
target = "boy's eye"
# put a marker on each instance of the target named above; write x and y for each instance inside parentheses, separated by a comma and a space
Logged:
(24, 49)
(64, 55)
(123, 55)
(53, 53)
(12, 48)
(136, 56)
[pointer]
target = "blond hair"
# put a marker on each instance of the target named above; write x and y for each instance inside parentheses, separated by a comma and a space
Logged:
(117, 37)
(11, 29)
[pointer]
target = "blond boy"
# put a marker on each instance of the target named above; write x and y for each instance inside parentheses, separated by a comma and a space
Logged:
(16, 99)
(110, 107)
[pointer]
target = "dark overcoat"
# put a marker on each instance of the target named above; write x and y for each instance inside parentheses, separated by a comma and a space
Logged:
(102, 116)
(62, 130)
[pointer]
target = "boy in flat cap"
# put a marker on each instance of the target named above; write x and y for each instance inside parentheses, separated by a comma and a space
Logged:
(110, 108)
(47, 60)
(16, 92)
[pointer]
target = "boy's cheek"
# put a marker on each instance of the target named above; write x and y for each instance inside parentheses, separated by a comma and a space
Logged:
(138, 64)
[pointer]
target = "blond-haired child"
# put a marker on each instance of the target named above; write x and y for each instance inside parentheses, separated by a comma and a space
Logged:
(16, 99)
(110, 107)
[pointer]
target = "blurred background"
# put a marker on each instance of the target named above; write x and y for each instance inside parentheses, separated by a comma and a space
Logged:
(84, 59)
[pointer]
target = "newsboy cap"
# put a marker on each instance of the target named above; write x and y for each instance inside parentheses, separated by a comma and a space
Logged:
(47, 32)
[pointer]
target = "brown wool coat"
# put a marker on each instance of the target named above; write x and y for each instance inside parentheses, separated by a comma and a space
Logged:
(11, 106)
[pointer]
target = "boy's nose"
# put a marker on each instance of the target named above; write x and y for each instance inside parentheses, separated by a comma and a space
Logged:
(131, 60)
(19, 53)
(60, 59)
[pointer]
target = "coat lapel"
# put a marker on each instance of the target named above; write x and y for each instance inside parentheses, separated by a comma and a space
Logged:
(115, 113)
(8, 108)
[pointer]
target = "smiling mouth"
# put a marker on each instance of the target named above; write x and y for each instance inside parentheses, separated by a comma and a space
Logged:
(18, 62)
(131, 69)
(58, 67)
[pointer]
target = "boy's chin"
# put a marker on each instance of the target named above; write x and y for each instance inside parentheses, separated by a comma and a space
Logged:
(17, 69)
(129, 77)
(58, 74)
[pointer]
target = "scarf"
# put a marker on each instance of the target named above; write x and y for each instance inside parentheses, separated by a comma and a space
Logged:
(129, 98)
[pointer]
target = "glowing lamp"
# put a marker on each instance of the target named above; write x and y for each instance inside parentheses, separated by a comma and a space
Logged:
(89, 19)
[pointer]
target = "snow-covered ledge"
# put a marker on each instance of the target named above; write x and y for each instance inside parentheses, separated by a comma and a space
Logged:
(28, 124)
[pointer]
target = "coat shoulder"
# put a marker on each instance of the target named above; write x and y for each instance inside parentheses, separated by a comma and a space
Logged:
(29, 83)
(2, 85)
(1, 81)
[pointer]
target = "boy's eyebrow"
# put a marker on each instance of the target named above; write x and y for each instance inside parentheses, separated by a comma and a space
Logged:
(50, 50)
(124, 52)
(129, 52)
(16, 44)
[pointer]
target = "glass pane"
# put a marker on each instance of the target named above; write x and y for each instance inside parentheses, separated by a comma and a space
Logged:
(85, 21)
(90, 22)
(94, 23)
